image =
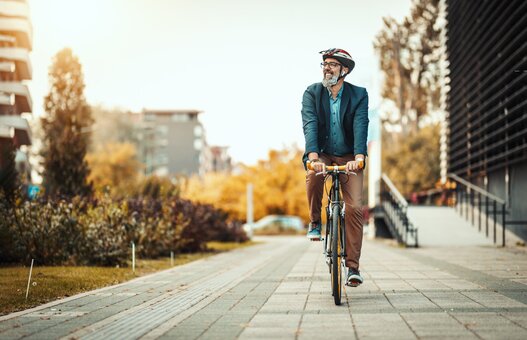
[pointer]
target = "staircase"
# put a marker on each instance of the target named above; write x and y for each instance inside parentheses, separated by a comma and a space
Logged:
(393, 210)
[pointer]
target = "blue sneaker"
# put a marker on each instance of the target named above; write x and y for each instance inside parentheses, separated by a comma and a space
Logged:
(354, 278)
(314, 231)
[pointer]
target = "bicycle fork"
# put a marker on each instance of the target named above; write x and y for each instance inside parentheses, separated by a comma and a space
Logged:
(327, 240)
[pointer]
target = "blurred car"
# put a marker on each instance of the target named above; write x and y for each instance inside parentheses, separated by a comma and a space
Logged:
(284, 222)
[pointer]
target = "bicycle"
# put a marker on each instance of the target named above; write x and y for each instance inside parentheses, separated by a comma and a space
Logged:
(335, 236)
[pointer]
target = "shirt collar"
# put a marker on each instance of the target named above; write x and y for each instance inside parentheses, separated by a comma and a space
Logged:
(339, 95)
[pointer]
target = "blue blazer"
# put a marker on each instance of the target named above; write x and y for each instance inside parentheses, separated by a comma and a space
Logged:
(353, 113)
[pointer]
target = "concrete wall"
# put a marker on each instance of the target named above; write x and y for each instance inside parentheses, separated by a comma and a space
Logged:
(514, 195)
(518, 194)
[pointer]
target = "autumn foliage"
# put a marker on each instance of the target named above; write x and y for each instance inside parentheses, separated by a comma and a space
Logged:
(279, 187)
(114, 167)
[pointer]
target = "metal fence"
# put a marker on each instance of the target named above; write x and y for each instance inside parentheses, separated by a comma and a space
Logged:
(482, 209)
(395, 211)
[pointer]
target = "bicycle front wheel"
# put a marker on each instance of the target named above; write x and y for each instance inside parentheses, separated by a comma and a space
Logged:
(336, 249)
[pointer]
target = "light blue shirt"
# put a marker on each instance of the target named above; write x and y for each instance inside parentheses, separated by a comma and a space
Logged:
(336, 145)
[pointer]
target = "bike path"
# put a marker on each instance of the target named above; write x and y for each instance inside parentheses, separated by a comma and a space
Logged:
(281, 289)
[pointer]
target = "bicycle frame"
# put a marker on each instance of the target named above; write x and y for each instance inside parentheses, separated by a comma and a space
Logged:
(334, 199)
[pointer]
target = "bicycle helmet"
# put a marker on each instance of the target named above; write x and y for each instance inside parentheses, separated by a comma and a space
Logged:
(342, 56)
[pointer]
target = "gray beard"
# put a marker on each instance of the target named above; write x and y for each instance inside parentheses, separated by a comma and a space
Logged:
(330, 82)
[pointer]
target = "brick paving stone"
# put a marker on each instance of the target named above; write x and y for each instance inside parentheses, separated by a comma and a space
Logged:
(413, 300)
(269, 333)
(324, 326)
(519, 318)
(394, 285)
(381, 326)
(491, 325)
(368, 303)
(459, 284)
(436, 325)
(422, 285)
(451, 300)
(293, 287)
(492, 299)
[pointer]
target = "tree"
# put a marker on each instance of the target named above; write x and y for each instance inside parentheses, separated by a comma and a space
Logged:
(114, 167)
(409, 59)
(279, 187)
(112, 126)
(413, 165)
(8, 172)
(67, 128)
(410, 54)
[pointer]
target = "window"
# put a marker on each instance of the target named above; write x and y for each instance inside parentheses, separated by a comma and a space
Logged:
(179, 118)
(198, 131)
(150, 117)
(162, 130)
(198, 144)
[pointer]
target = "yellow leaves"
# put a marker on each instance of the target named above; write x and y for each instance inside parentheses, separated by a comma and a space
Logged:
(113, 166)
(278, 182)
(412, 161)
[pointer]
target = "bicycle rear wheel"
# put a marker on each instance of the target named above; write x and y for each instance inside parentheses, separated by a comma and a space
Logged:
(336, 249)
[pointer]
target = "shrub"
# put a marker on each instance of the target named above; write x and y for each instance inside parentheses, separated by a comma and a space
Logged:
(108, 232)
(9, 251)
(100, 231)
(46, 230)
(205, 223)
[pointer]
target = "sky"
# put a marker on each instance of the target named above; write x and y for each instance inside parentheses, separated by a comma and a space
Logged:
(244, 63)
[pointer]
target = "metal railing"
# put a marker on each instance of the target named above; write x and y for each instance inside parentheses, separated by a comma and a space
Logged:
(395, 209)
(479, 206)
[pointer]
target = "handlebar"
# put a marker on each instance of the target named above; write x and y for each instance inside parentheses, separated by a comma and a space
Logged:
(335, 167)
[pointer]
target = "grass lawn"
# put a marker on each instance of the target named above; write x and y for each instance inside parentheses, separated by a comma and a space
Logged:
(53, 283)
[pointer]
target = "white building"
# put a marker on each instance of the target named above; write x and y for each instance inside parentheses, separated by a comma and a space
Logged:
(15, 69)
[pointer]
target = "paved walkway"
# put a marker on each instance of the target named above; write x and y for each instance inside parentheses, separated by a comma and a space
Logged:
(280, 289)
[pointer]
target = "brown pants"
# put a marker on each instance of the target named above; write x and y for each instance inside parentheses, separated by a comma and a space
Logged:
(351, 188)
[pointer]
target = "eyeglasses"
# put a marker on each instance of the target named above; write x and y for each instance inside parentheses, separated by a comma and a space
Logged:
(331, 64)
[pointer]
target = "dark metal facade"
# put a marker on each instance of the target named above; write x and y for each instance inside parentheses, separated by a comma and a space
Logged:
(487, 101)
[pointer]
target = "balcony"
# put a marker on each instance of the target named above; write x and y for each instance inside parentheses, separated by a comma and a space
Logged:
(20, 57)
(22, 96)
(15, 127)
(18, 9)
(20, 29)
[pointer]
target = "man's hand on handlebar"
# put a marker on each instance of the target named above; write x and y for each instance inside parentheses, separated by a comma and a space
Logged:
(353, 166)
(318, 166)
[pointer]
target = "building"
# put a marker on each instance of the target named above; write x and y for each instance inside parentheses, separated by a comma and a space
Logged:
(15, 69)
(487, 101)
(172, 142)
(220, 159)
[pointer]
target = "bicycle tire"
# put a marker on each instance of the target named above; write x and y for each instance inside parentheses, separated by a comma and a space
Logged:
(329, 238)
(336, 270)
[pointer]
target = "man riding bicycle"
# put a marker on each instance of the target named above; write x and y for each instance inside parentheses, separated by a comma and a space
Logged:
(335, 122)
